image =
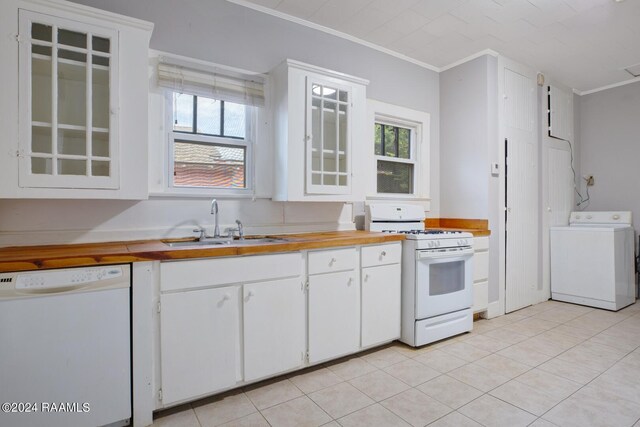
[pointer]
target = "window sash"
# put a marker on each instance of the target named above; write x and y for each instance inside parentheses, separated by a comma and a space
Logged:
(196, 118)
(414, 137)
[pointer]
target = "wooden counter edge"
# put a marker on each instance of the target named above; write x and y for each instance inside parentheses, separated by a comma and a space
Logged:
(50, 257)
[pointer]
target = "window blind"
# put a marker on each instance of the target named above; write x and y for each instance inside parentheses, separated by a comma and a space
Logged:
(232, 87)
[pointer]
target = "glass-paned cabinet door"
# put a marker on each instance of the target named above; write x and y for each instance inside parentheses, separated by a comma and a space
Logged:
(328, 151)
(68, 82)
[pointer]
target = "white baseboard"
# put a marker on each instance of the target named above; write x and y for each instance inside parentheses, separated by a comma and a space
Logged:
(494, 310)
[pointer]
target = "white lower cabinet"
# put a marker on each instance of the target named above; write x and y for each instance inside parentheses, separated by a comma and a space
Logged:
(199, 342)
(334, 315)
(380, 304)
(381, 289)
(480, 274)
(274, 327)
(225, 322)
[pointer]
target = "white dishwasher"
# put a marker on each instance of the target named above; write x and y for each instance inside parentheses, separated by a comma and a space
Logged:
(65, 347)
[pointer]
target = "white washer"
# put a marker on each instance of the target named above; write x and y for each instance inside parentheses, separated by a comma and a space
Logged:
(593, 260)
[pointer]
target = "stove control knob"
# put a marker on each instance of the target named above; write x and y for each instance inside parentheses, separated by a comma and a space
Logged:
(431, 244)
(438, 243)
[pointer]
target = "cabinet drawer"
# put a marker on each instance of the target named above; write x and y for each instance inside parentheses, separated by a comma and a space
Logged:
(481, 243)
(381, 254)
(480, 266)
(332, 260)
(202, 273)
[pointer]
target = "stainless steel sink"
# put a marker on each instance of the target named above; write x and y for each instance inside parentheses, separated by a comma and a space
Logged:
(188, 243)
(251, 241)
(225, 242)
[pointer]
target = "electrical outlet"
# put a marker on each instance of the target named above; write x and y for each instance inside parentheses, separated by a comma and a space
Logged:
(589, 179)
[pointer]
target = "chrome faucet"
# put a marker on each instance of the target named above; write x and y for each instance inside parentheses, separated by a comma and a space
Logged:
(214, 211)
(240, 229)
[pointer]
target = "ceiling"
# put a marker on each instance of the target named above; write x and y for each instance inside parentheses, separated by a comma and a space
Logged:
(585, 44)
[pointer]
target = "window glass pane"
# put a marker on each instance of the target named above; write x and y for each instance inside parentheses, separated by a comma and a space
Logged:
(72, 56)
(41, 85)
(41, 139)
(404, 141)
(72, 167)
(234, 120)
(41, 166)
(378, 139)
(100, 98)
(209, 165)
(71, 141)
(72, 38)
(182, 112)
(41, 32)
(208, 118)
(316, 133)
(390, 141)
(72, 87)
(394, 177)
(100, 168)
(41, 50)
(100, 60)
(342, 128)
(100, 44)
(100, 144)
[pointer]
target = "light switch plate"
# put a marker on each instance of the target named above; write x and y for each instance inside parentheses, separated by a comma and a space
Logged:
(495, 169)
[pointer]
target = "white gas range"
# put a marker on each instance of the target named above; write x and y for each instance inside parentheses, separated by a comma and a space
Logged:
(437, 274)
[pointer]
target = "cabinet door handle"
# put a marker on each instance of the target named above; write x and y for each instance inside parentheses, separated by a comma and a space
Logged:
(226, 297)
(350, 281)
(250, 294)
(333, 261)
(383, 253)
(366, 277)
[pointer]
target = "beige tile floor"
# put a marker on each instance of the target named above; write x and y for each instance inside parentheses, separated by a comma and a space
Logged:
(552, 364)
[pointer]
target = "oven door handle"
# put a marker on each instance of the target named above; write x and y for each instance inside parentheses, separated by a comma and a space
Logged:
(446, 254)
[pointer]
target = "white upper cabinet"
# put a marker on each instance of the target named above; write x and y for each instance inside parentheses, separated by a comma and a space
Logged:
(318, 127)
(77, 104)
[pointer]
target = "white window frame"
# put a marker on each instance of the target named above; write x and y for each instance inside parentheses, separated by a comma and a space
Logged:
(248, 142)
(418, 122)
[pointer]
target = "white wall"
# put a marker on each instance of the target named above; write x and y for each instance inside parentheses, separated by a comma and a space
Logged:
(468, 145)
(228, 34)
(609, 141)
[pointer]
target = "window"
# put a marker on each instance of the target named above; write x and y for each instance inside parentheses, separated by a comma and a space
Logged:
(210, 148)
(211, 123)
(399, 155)
(395, 159)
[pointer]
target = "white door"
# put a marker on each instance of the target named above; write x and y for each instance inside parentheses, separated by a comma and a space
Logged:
(521, 180)
(380, 304)
(334, 315)
(199, 342)
(274, 327)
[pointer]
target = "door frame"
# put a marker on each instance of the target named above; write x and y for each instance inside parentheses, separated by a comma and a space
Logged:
(547, 144)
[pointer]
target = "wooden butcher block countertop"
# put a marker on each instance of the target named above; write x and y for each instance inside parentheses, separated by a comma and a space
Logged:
(477, 227)
(21, 258)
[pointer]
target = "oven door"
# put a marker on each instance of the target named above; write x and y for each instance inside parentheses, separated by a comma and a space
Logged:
(443, 281)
